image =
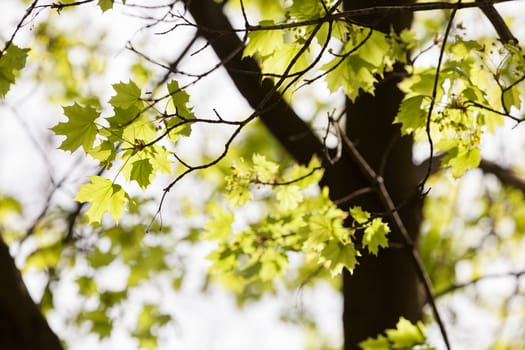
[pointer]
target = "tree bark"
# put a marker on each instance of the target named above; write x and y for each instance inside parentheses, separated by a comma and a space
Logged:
(385, 287)
(22, 326)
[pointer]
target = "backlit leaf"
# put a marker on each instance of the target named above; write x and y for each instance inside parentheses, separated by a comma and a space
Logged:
(411, 115)
(127, 95)
(103, 197)
(359, 215)
(141, 172)
(11, 62)
(80, 129)
(105, 4)
(406, 335)
(375, 235)
(338, 256)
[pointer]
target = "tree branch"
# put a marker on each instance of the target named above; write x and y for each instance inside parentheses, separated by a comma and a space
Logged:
(506, 36)
(290, 130)
(505, 176)
(454, 287)
(279, 118)
(378, 182)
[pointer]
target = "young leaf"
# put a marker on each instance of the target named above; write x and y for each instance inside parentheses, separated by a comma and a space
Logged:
(337, 255)
(80, 130)
(11, 62)
(265, 170)
(410, 114)
(180, 99)
(461, 159)
(359, 215)
(127, 95)
(351, 75)
(141, 172)
(105, 5)
(288, 197)
(406, 335)
(375, 235)
(263, 42)
(219, 227)
(104, 196)
(379, 343)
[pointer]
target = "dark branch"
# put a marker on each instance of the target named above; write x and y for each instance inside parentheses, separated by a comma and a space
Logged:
(280, 120)
(497, 21)
(454, 287)
(505, 175)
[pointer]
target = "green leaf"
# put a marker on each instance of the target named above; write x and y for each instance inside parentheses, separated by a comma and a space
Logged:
(99, 322)
(160, 159)
(149, 318)
(141, 171)
(80, 129)
(105, 152)
(263, 42)
(410, 114)
(44, 257)
(288, 197)
(352, 75)
(306, 9)
(180, 100)
(86, 285)
(379, 343)
(11, 62)
(461, 159)
(106, 4)
(9, 206)
(123, 117)
(104, 196)
(375, 235)
(219, 227)
(265, 170)
(511, 98)
(127, 95)
(406, 335)
(337, 255)
(97, 258)
(359, 215)
(374, 49)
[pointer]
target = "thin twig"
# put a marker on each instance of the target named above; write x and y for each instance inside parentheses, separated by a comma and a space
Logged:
(434, 95)
(377, 182)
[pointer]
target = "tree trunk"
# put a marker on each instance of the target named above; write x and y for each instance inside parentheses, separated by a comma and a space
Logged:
(22, 326)
(382, 288)
(385, 287)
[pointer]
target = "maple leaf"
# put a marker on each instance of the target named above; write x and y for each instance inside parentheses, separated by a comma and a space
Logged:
(337, 255)
(11, 62)
(406, 335)
(411, 115)
(141, 172)
(104, 196)
(105, 5)
(80, 129)
(375, 235)
(127, 95)
(359, 215)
